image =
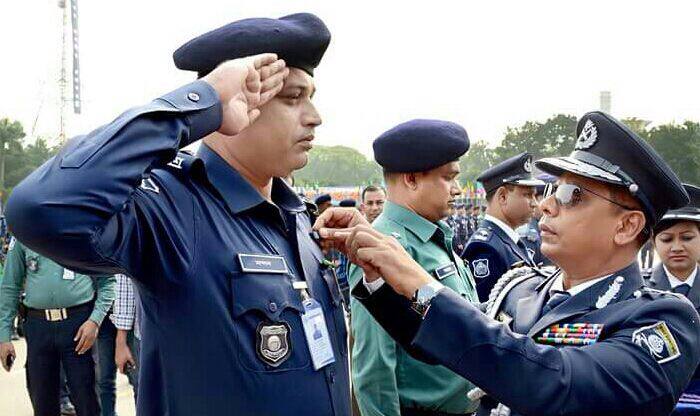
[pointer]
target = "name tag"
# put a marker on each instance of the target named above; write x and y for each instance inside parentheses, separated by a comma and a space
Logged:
(259, 263)
(445, 271)
(68, 274)
(316, 332)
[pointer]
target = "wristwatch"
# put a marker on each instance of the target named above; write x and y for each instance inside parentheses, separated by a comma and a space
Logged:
(423, 296)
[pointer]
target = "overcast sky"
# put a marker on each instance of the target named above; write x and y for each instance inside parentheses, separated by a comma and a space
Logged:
(484, 64)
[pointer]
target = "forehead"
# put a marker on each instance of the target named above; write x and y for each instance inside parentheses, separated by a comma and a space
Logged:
(374, 194)
(447, 168)
(681, 227)
(299, 79)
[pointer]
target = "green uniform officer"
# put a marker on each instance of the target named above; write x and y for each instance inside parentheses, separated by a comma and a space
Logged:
(420, 191)
(64, 312)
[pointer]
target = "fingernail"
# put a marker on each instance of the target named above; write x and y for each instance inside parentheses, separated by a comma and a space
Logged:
(324, 233)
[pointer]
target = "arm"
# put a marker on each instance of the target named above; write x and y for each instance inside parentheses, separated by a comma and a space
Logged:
(105, 297)
(10, 289)
(373, 362)
(489, 264)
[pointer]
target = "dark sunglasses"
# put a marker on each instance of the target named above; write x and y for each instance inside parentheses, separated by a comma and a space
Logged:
(569, 195)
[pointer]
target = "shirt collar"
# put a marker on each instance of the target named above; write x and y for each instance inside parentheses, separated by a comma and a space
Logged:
(418, 225)
(238, 193)
(674, 281)
(505, 227)
(558, 285)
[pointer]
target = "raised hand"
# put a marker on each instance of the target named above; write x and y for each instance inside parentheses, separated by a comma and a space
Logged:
(244, 85)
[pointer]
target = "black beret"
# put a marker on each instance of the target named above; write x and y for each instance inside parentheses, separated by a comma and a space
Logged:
(516, 170)
(300, 39)
(690, 212)
(347, 203)
(608, 151)
(322, 198)
(420, 145)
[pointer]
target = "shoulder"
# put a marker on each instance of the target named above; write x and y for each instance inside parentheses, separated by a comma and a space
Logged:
(481, 235)
(174, 179)
(392, 228)
(513, 285)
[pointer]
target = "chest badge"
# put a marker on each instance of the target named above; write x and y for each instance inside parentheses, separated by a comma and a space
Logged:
(481, 268)
(273, 346)
(445, 271)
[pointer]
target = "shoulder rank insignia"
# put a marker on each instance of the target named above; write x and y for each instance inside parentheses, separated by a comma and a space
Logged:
(177, 162)
(482, 234)
(273, 343)
(481, 268)
(148, 185)
(577, 334)
(658, 341)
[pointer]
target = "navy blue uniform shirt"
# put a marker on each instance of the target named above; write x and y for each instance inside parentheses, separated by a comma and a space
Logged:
(616, 348)
(217, 339)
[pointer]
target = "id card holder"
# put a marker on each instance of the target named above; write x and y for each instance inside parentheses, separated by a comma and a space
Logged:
(68, 274)
(316, 331)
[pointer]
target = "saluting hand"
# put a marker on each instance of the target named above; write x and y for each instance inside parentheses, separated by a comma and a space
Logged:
(86, 335)
(244, 85)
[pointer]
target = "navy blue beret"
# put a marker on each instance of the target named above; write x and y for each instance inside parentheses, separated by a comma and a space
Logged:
(516, 170)
(300, 39)
(322, 198)
(608, 151)
(348, 203)
(420, 145)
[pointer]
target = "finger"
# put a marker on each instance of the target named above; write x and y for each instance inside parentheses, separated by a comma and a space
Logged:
(333, 218)
(335, 234)
(78, 334)
(122, 367)
(81, 343)
(273, 82)
(272, 69)
(253, 115)
(88, 344)
(263, 59)
(266, 96)
(252, 82)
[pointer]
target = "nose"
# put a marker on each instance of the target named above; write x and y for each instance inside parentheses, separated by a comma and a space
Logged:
(456, 190)
(311, 116)
(549, 206)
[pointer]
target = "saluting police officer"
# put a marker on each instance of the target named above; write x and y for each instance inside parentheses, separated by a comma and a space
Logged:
(590, 339)
(496, 246)
(677, 241)
(217, 244)
(421, 186)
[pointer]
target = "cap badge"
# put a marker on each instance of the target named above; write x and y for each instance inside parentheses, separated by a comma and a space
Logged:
(588, 136)
(528, 165)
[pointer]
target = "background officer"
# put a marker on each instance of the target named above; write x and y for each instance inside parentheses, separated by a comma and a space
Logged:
(217, 244)
(590, 339)
(323, 202)
(64, 312)
(373, 198)
(530, 231)
(677, 242)
(420, 191)
(495, 246)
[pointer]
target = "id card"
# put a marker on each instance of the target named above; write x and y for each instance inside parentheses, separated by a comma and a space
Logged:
(316, 332)
(68, 274)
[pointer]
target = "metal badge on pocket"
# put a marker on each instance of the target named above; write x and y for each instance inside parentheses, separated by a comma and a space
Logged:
(273, 346)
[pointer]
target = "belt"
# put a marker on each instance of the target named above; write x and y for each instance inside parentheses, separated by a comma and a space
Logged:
(61, 314)
(405, 411)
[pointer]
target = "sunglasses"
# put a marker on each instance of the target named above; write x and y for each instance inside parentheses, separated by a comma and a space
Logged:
(569, 195)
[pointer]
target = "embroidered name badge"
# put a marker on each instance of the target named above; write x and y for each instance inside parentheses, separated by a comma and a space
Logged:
(445, 271)
(577, 334)
(658, 341)
(262, 263)
(481, 268)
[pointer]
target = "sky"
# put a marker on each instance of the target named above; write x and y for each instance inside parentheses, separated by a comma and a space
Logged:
(487, 65)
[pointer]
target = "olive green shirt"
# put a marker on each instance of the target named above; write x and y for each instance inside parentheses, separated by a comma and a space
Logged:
(47, 285)
(385, 377)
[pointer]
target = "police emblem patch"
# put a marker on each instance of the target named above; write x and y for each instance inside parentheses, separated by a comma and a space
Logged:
(588, 136)
(658, 341)
(273, 343)
(481, 268)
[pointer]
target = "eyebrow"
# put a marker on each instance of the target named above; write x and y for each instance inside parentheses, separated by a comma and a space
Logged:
(299, 86)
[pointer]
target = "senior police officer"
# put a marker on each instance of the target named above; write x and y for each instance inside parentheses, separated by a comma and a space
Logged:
(677, 242)
(420, 191)
(589, 340)
(495, 246)
(216, 243)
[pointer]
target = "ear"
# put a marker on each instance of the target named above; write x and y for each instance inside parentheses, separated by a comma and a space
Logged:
(502, 195)
(629, 226)
(410, 180)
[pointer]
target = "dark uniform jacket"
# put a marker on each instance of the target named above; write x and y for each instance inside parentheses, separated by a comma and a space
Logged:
(490, 253)
(641, 351)
(214, 262)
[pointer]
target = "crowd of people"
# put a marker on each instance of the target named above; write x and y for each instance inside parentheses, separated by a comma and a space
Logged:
(227, 293)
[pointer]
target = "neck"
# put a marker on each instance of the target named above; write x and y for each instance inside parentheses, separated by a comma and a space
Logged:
(582, 271)
(260, 181)
(683, 274)
(498, 214)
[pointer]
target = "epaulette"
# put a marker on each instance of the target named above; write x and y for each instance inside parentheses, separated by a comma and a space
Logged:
(508, 281)
(482, 234)
(651, 293)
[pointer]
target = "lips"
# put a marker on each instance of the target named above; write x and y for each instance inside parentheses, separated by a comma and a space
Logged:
(678, 258)
(545, 229)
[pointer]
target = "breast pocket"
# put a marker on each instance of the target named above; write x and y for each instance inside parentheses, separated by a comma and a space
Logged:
(267, 314)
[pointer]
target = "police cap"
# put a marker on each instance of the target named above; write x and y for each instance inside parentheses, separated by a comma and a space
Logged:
(516, 170)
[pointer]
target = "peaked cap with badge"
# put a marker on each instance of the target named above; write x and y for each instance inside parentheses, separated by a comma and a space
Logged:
(516, 170)
(608, 151)
(690, 212)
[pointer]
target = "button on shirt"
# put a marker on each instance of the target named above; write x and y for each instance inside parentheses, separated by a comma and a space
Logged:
(46, 288)
(123, 200)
